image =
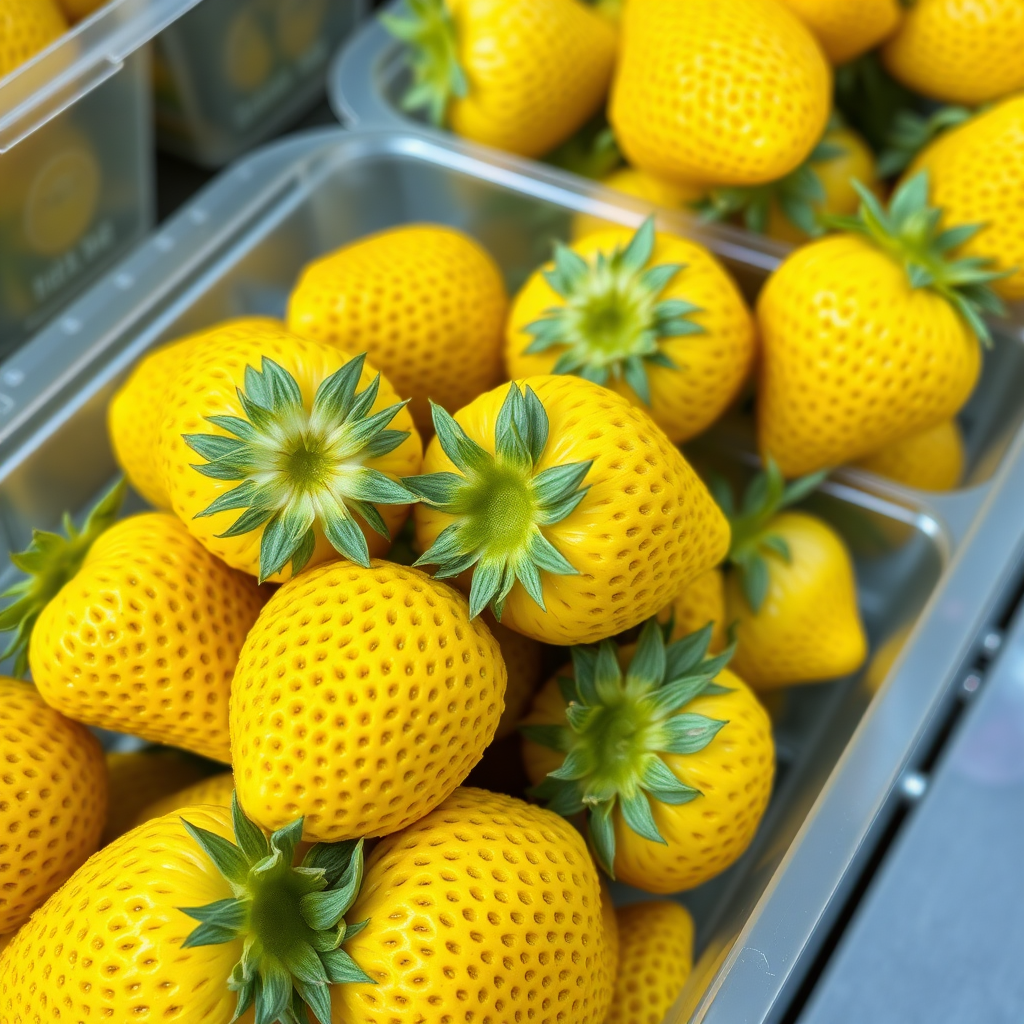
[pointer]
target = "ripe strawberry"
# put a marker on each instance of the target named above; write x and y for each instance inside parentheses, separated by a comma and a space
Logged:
(362, 698)
(26, 27)
(522, 77)
(215, 790)
(675, 120)
(699, 603)
(932, 460)
(425, 302)
(869, 335)
(848, 28)
(53, 801)
(670, 755)
(652, 316)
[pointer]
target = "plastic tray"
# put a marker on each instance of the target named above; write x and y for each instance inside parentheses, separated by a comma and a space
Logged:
(369, 76)
(76, 161)
(934, 570)
(232, 73)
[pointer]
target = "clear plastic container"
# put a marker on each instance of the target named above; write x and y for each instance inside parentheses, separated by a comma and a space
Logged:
(232, 73)
(365, 86)
(76, 160)
(932, 572)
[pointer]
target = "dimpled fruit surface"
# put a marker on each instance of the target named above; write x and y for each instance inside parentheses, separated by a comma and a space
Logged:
(26, 27)
(363, 697)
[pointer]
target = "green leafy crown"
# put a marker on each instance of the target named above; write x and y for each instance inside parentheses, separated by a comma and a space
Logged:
(752, 538)
(429, 32)
(299, 469)
(291, 919)
(618, 726)
(911, 132)
(49, 562)
(909, 232)
(612, 321)
(500, 503)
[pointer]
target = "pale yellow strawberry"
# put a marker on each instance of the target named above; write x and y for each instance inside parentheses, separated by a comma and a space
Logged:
(26, 27)
(848, 28)
(700, 602)
(215, 789)
(932, 460)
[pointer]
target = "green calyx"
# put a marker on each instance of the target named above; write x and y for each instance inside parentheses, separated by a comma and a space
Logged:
(753, 541)
(592, 151)
(428, 30)
(612, 321)
(49, 562)
(909, 233)
(911, 132)
(290, 919)
(618, 726)
(797, 195)
(299, 469)
(500, 503)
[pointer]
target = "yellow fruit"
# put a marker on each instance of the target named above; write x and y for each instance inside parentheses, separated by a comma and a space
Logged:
(144, 636)
(26, 27)
(141, 777)
(299, 449)
(807, 627)
(854, 355)
(53, 801)
(577, 525)
(959, 51)
(701, 601)
(631, 182)
(425, 302)
(216, 790)
(523, 660)
(848, 28)
(675, 120)
(652, 316)
(673, 772)
(363, 697)
(977, 177)
(136, 411)
(932, 460)
(656, 957)
(449, 938)
(522, 77)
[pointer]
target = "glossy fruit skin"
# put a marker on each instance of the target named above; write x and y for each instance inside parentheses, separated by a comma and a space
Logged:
(726, 128)
(701, 601)
(524, 659)
(26, 27)
(215, 790)
(734, 772)
(137, 779)
(711, 367)
(932, 460)
(848, 28)
(136, 411)
(839, 311)
(145, 638)
(808, 628)
(655, 959)
(644, 498)
(53, 800)
(118, 918)
(363, 697)
(536, 72)
(977, 177)
(959, 51)
(425, 302)
(483, 908)
(206, 384)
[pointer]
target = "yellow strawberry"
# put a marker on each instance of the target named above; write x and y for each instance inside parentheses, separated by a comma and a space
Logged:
(216, 790)
(977, 177)
(133, 627)
(848, 28)
(869, 335)
(136, 412)
(575, 513)
(523, 660)
(791, 590)
(729, 127)
(299, 455)
(700, 602)
(26, 27)
(959, 51)
(363, 697)
(656, 957)
(932, 460)
(670, 755)
(426, 303)
(139, 778)
(53, 801)
(522, 77)
(652, 316)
